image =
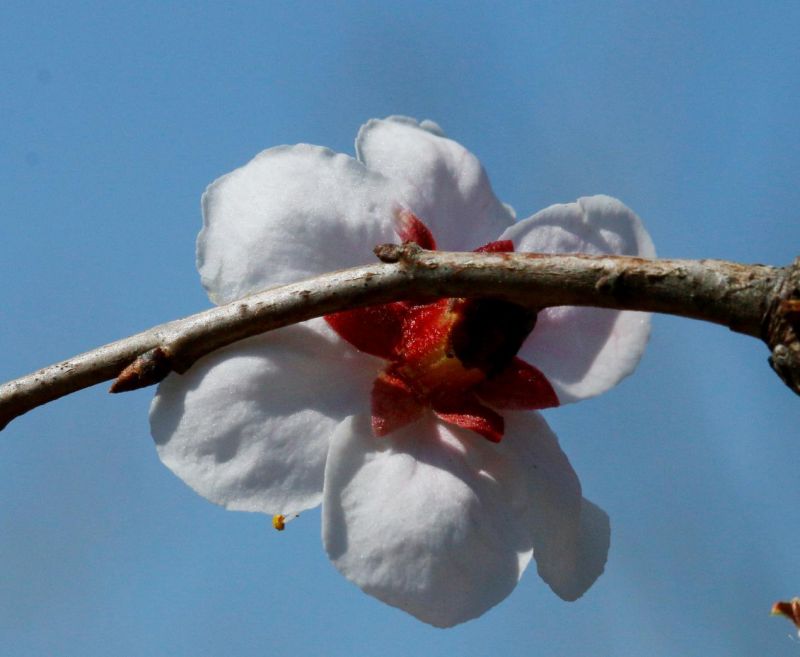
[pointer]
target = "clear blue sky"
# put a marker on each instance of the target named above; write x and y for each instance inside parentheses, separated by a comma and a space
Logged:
(112, 121)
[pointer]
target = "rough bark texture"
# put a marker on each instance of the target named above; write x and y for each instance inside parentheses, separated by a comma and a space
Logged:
(756, 300)
(781, 329)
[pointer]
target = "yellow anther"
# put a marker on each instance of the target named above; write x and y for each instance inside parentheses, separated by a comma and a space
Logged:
(279, 522)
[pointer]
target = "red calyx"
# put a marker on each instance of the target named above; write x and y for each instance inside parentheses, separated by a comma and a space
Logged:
(452, 356)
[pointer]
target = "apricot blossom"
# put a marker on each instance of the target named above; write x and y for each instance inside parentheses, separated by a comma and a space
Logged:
(382, 415)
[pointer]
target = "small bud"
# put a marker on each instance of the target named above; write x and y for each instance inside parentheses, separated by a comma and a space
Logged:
(149, 368)
(789, 609)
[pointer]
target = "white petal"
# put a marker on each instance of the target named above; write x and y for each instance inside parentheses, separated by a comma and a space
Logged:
(290, 213)
(585, 351)
(570, 534)
(248, 426)
(429, 519)
(449, 190)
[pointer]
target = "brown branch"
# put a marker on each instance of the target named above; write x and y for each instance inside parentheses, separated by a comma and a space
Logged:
(756, 300)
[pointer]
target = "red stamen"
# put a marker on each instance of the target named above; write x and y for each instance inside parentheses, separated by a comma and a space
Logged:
(376, 330)
(520, 386)
(499, 246)
(410, 228)
(423, 327)
(469, 413)
(394, 404)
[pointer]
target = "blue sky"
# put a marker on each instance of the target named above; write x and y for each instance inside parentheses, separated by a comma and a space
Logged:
(113, 120)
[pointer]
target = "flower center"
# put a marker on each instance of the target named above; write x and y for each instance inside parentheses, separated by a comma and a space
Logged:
(450, 346)
(452, 356)
(426, 360)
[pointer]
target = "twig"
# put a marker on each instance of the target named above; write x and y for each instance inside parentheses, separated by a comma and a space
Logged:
(756, 300)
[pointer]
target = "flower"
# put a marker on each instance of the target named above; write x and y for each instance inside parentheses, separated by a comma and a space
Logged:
(418, 508)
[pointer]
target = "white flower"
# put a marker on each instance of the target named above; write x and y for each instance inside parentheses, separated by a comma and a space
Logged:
(431, 518)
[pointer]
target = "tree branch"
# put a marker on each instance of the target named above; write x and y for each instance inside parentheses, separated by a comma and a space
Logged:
(756, 300)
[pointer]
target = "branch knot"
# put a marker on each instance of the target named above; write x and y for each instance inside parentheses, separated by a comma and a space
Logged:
(782, 329)
(406, 252)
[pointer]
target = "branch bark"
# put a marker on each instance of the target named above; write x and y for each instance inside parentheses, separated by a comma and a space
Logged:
(756, 300)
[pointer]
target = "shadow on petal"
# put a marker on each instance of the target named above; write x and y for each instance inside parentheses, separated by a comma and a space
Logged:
(582, 566)
(248, 426)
